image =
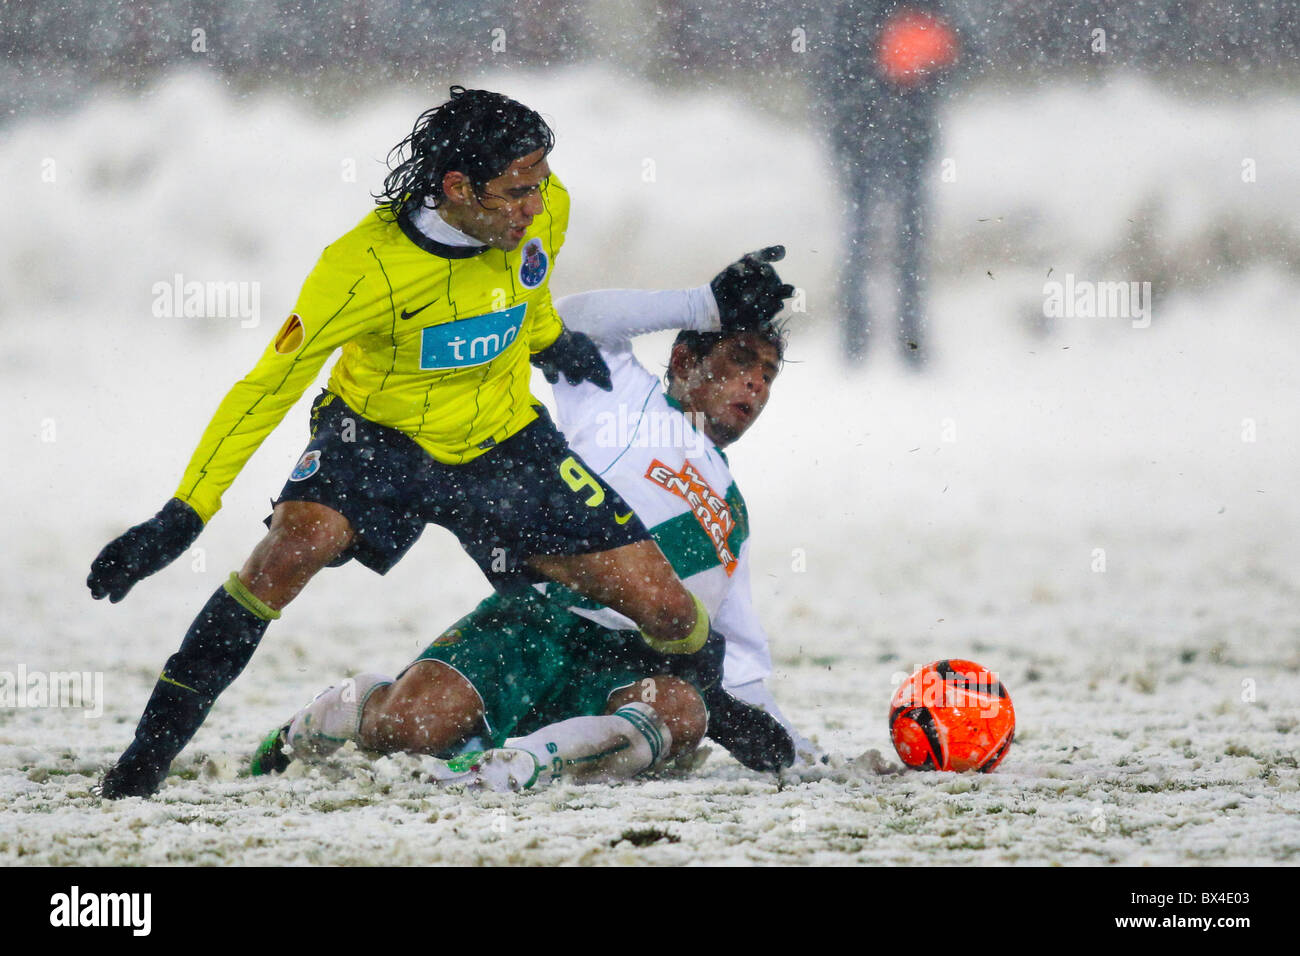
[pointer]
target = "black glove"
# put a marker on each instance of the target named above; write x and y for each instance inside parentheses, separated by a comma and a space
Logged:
(752, 736)
(704, 667)
(576, 355)
(144, 549)
(749, 292)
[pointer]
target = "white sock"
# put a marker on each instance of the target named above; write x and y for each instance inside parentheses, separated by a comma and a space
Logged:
(613, 747)
(333, 718)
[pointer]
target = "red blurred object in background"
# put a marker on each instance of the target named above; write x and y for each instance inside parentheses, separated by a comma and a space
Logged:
(914, 44)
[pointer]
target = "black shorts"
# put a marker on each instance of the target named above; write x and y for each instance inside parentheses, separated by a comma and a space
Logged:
(530, 495)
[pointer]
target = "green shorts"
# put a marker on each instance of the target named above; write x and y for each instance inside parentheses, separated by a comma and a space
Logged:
(534, 663)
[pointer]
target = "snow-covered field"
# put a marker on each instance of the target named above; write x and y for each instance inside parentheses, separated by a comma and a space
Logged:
(1103, 514)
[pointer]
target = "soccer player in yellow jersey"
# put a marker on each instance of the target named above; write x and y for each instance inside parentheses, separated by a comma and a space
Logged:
(439, 299)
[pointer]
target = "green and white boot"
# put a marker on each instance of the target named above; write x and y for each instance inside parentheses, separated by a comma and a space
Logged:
(270, 755)
(502, 770)
(319, 729)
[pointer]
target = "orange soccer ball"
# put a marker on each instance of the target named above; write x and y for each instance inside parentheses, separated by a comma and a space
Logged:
(952, 715)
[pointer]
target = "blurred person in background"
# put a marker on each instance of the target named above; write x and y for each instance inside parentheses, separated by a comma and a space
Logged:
(880, 77)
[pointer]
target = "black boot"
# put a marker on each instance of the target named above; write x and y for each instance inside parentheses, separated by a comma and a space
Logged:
(217, 646)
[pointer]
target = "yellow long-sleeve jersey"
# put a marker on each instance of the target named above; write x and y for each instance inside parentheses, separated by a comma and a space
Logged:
(436, 342)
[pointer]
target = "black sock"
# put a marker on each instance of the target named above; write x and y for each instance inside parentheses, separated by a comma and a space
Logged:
(216, 648)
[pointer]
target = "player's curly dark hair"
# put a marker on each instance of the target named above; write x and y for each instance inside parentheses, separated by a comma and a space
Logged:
(702, 343)
(476, 132)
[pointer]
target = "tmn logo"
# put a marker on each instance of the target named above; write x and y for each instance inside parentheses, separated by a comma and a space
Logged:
(468, 342)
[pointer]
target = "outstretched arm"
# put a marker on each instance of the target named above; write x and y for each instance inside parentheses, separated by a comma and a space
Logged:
(320, 323)
(328, 313)
(613, 317)
(744, 296)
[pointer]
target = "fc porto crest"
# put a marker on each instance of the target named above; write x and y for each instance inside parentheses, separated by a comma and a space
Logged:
(307, 466)
(532, 270)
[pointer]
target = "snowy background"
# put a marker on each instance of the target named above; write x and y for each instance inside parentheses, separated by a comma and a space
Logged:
(1104, 515)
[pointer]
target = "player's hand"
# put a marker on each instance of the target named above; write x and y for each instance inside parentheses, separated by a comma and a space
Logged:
(575, 356)
(749, 293)
(144, 549)
(751, 735)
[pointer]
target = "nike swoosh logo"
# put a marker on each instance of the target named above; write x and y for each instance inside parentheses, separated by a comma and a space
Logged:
(415, 312)
(623, 519)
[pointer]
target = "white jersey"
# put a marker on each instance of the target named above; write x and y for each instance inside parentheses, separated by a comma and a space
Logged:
(637, 439)
(677, 480)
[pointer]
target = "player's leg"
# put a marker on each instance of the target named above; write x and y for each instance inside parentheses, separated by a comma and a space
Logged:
(677, 703)
(564, 523)
(911, 244)
(646, 724)
(304, 537)
(604, 719)
(331, 719)
(476, 680)
(637, 581)
(854, 182)
(430, 709)
(325, 509)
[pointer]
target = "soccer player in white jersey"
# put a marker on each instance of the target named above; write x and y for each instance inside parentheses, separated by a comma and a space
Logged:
(553, 684)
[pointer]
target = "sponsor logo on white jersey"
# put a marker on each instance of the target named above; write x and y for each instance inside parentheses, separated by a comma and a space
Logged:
(710, 508)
